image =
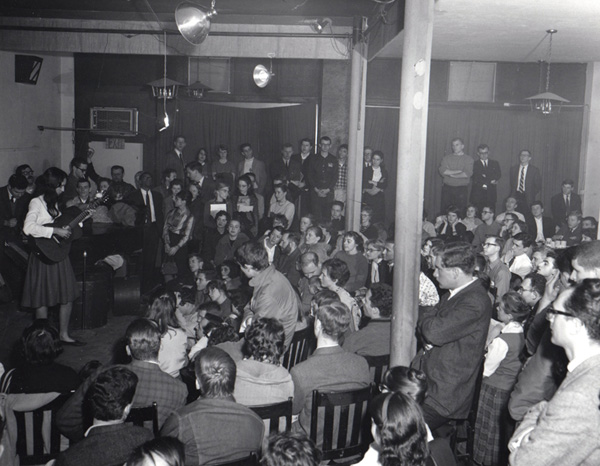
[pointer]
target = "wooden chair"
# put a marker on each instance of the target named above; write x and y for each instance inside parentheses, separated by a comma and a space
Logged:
(251, 460)
(139, 416)
(272, 415)
(378, 365)
(36, 443)
(302, 346)
(339, 422)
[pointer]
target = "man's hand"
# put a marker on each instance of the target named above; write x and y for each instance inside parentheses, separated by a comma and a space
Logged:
(11, 223)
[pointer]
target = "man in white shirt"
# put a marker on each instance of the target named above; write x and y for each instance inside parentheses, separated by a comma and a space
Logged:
(518, 257)
(540, 227)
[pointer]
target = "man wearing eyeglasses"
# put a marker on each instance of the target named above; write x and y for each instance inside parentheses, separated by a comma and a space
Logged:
(79, 168)
(487, 228)
(495, 268)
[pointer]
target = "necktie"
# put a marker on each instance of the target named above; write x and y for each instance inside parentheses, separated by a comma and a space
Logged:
(13, 205)
(522, 180)
(148, 209)
(511, 262)
(485, 164)
(568, 203)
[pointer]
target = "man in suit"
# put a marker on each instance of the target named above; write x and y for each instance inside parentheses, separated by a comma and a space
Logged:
(14, 201)
(304, 157)
(453, 333)
(486, 173)
(289, 169)
(540, 226)
(367, 157)
(175, 158)
(290, 253)
(142, 340)
(525, 181)
(150, 217)
(330, 367)
(559, 431)
(571, 231)
(250, 164)
(323, 171)
(109, 440)
(565, 202)
(195, 176)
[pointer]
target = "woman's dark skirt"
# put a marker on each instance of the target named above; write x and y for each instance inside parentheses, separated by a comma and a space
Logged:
(49, 284)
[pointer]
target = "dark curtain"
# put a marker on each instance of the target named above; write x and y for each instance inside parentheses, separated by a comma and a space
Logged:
(554, 142)
(206, 125)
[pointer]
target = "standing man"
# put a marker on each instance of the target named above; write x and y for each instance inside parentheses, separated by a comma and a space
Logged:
(195, 176)
(341, 185)
(525, 181)
(305, 156)
(27, 172)
(322, 178)
(250, 164)
(175, 158)
(78, 170)
(150, 217)
(290, 169)
(454, 333)
(565, 202)
(456, 169)
(367, 157)
(540, 227)
(116, 173)
(486, 173)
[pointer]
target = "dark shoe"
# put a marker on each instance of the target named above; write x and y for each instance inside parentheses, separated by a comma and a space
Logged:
(73, 343)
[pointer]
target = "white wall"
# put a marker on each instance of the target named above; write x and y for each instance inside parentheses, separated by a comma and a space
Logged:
(590, 147)
(49, 103)
(130, 158)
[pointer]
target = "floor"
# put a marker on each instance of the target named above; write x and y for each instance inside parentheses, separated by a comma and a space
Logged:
(102, 343)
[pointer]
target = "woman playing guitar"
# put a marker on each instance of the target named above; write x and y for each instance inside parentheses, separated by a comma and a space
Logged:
(49, 283)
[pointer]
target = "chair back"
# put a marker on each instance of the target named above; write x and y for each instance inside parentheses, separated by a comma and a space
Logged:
(38, 438)
(302, 346)
(378, 365)
(251, 460)
(339, 422)
(139, 416)
(274, 415)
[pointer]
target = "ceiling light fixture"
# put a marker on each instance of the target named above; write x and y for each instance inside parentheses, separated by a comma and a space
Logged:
(261, 75)
(543, 102)
(197, 90)
(319, 25)
(193, 21)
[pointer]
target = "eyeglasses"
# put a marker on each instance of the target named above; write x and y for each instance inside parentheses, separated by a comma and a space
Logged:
(27, 172)
(487, 212)
(82, 169)
(551, 312)
(521, 289)
(489, 244)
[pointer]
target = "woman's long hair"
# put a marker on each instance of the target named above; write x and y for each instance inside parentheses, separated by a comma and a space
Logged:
(162, 311)
(401, 430)
(248, 181)
(46, 185)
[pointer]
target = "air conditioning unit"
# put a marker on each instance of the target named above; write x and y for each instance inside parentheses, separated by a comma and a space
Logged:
(112, 121)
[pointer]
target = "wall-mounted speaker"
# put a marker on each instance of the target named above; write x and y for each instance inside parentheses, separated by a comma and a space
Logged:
(27, 69)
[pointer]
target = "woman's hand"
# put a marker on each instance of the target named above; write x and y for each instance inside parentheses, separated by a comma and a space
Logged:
(64, 232)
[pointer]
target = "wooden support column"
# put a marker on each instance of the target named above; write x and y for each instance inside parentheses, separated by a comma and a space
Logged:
(356, 136)
(412, 137)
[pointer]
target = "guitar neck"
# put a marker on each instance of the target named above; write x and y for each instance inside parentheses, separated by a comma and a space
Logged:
(84, 213)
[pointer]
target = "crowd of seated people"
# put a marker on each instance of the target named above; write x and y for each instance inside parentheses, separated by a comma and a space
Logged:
(243, 273)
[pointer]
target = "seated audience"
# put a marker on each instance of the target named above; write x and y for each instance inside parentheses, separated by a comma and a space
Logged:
(334, 275)
(357, 263)
(281, 205)
(39, 373)
(260, 378)
(313, 242)
(229, 243)
(500, 370)
(306, 221)
(374, 339)
(449, 228)
(289, 257)
(471, 221)
(560, 431)
(330, 367)
(273, 295)
(564, 202)
(517, 259)
(229, 271)
(379, 271)
(217, 292)
(367, 229)
(162, 451)
(496, 269)
(310, 267)
(570, 232)
(218, 203)
(245, 203)
(589, 223)
(399, 431)
(291, 449)
(338, 221)
(511, 205)
(143, 344)
(271, 242)
(540, 226)
(109, 440)
(214, 428)
(212, 236)
(487, 228)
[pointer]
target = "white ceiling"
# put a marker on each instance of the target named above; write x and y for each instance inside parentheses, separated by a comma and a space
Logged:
(512, 30)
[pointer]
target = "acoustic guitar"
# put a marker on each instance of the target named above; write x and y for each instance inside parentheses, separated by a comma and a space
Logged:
(55, 248)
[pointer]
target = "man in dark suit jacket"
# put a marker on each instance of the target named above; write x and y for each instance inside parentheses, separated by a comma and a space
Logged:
(14, 201)
(150, 216)
(304, 157)
(109, 440)
(289, 257)
(525, 182)
(453, 333)
(175, 158)
(288, 168)
(486, 173)
(205, 184)
(565, 202)
(540, 227)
